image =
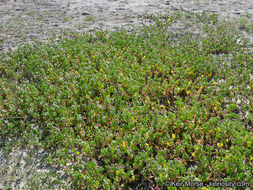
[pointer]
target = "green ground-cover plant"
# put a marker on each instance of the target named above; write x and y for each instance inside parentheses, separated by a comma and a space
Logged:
(120, 107)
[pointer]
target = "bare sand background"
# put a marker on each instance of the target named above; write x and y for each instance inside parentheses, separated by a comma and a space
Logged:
(21, 21)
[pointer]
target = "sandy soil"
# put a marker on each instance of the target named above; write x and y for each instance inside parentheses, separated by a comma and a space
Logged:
(23, 21)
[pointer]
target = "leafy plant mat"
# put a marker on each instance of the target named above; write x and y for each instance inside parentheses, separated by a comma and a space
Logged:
(120, 108)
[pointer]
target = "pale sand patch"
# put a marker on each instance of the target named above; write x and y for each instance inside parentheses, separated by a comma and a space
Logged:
(25, 20)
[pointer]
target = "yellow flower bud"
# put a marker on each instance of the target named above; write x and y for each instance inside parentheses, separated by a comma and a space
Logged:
(124, 144)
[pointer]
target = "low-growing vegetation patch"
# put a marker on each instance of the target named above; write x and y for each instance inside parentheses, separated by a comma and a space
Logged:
(118, 109)
(90, 18)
